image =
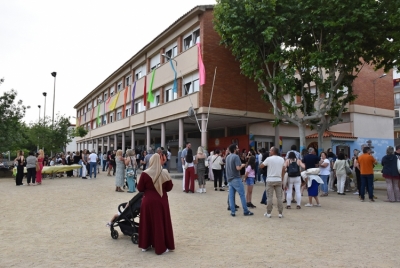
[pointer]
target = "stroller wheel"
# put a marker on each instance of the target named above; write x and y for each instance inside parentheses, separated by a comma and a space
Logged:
(135, 238)
(114, 234)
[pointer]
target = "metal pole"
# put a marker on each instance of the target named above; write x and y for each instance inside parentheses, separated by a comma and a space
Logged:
(54, 99)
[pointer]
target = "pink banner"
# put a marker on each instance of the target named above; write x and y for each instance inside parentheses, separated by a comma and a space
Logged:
(202, 70)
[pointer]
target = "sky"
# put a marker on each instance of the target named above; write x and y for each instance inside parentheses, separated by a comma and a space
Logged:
(83, 41)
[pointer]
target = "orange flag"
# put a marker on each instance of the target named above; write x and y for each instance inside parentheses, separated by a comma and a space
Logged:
(125, 96)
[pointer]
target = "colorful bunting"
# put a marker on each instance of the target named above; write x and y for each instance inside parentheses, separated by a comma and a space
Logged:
(98, 115)
(144, 91)
(150, 97)
(113, 104)
(175, 86)
(125, 97)
(202, 70)
(133, 97)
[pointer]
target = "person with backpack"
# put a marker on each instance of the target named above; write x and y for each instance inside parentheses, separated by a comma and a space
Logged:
(292, 165)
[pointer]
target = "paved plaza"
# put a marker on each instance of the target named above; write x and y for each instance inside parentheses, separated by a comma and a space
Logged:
(62, 224)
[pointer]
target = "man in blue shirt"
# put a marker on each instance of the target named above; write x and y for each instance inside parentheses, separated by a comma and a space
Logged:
(232, 169)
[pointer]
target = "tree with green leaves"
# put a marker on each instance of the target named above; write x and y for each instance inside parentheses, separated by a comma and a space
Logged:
(305, 54)
(11, 113)
(53, 137)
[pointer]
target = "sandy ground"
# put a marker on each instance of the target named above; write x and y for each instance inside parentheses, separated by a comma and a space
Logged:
(62, 224)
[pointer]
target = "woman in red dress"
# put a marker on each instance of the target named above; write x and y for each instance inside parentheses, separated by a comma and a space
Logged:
(40, 159)
(155, 219)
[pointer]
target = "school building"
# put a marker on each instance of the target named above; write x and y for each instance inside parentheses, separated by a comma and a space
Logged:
(211, 106)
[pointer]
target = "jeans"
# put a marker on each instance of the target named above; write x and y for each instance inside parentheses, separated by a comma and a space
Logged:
(277, 187)
(104, 165)
(224, 174)
(367, 181)
(324, 187)
(93, 166)
(236, 185)
(80, 170)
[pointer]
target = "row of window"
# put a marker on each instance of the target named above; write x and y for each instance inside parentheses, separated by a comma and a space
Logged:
(171, 51)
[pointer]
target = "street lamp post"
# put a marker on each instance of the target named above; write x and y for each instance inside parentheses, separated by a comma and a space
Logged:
(373, 81)
(54, 74)
(39, 112)
(44, 112)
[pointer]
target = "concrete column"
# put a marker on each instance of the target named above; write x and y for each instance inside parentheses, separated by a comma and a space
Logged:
(123, 142)
(163, 135)
(96, 145)
(203, 131)
(226, 132)
(148, 137)
(115, 143)
(102, 145)
(181, 145)
(108, 143)
(132, 139)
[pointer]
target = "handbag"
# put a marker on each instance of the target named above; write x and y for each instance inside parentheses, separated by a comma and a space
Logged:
(348, 170)
(186, 165)
(206, 163)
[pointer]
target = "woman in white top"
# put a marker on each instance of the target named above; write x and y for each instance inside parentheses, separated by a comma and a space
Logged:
(215, 164)
(324, 172)
(294, 181)
(339, 168)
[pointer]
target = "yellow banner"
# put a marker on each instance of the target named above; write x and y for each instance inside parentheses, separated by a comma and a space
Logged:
(114, 102)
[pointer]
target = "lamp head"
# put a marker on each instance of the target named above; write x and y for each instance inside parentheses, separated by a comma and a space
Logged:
(39, 106)
(45, 94)
(54, 74)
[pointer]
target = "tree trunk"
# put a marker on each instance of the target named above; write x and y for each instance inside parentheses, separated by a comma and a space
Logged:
(302, 136)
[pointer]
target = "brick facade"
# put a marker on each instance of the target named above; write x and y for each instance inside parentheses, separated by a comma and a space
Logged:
(231, 90)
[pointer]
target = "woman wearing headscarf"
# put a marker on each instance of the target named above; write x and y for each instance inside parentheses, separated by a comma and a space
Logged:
(155, 218)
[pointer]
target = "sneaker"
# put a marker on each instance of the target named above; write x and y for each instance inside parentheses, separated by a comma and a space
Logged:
(267, 215)
(308, 205)
(362, 200)
(375, 197)
(204, 190)
(318, 205)
(249, 213)
(221, 189)
(215, 189)
(108, 225)
(356, 192)
(280, 216)
(372, 200)
(233, 214)
(199, 191)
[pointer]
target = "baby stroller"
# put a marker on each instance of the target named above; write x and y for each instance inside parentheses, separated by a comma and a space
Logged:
(126, 219)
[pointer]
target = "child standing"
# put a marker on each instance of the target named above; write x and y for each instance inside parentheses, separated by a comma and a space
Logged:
(249, 179)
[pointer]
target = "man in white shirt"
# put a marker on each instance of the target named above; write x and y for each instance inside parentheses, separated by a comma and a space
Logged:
(275, 173)
(93, 163)
(168, 159)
